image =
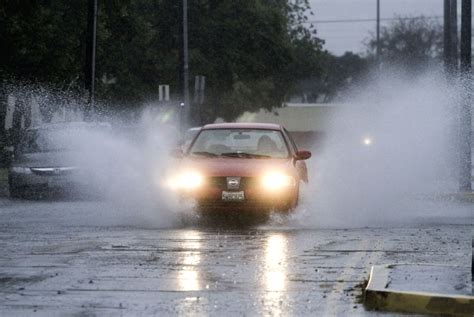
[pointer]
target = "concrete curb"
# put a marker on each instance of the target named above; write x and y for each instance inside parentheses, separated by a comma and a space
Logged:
(378, 296)
(466, 197)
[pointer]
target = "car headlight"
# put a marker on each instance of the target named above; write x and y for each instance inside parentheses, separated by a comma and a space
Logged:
(20, 170)
(186, 180)
(275, 181)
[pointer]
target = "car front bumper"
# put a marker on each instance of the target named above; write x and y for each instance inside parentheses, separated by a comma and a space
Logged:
(46, 182)
(210, 199)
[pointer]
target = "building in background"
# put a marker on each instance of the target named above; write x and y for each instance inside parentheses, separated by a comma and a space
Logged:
(307, 122)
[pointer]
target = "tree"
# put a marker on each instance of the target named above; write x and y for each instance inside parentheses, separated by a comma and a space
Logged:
(251, 51)
(411, 43)
(339, 74)
(41, 41)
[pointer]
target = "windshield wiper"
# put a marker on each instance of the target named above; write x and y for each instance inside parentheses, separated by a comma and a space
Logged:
(204, 153)
(244, 155)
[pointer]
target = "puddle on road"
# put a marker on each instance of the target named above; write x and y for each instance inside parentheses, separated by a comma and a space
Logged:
(19, 282)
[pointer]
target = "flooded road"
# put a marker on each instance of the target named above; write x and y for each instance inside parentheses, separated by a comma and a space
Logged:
(74, 258)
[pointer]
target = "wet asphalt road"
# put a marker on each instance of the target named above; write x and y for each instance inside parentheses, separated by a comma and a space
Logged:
(73, 258)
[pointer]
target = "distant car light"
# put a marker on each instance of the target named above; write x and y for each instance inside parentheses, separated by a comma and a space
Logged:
(367, 141)
(21, 170)
(186, 180)
(277, 180)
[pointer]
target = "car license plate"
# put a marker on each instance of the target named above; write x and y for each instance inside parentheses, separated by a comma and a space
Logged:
(233, 196)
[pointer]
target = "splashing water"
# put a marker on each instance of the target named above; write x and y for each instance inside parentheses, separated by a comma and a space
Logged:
(131, 168)
(121, 165)
(388, 151)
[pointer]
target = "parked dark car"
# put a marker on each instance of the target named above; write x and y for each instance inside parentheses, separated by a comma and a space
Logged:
(45, 160)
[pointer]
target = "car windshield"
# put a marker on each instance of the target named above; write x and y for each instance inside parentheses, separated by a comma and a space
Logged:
(242, 143)
(43, 140)
(189, 137)
(54, 140)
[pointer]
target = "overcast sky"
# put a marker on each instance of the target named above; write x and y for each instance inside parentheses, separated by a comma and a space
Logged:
(348, 36)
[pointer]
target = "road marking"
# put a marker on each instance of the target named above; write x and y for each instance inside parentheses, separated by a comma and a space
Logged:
(348, 275)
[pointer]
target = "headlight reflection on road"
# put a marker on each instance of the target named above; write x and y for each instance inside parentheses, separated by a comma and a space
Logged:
(189, 275)
(275, 270)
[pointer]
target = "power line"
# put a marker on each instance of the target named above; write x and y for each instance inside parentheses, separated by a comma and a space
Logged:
(372, 20)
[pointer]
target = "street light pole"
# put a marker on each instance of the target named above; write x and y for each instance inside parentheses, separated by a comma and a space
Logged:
(378, 32)
(91, 40)
(450, 38)
(465, 116)
(186, 106)
(454, 34)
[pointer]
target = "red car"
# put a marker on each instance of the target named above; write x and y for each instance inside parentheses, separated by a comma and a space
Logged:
(241, 166)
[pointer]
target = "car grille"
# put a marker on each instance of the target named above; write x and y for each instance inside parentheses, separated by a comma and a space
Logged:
(221, 182)
(54, 171)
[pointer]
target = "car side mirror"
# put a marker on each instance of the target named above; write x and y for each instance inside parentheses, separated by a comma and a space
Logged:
(302, 155)
(176, 153)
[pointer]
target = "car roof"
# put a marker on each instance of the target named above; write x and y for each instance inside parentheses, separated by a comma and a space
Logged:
(243, 125)
(70, 125)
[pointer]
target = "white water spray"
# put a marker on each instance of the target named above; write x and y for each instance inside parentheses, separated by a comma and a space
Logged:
(119, 164)
(127, 167)
(389, 151)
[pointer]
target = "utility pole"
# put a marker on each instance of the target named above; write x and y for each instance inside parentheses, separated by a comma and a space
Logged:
(447, 37)
(465, 115)
(89, 71)
(185, 109)
(453, 11)
(450, 37)
(378, 32)
(199, 95)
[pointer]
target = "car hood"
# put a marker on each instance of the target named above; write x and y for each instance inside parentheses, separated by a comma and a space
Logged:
(46, 159)
(245, 167)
